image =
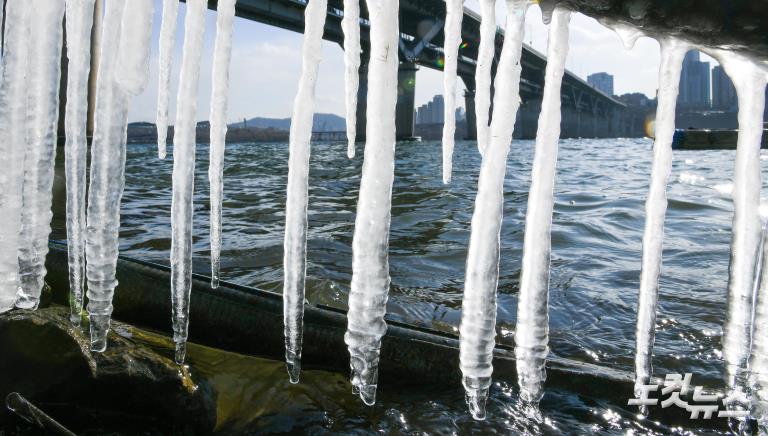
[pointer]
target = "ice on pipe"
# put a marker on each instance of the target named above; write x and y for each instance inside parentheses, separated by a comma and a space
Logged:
(478, 313)
(222, 53)
(79, 20)
(750, 81)
(13, 104)
(532, 330)
(485, 56)
(370, 244)
(350, 24)
(43, 73)
(125, 42)
(165, 59)
(672, 53)
(184, 174)
(295, 244)
(453, 17)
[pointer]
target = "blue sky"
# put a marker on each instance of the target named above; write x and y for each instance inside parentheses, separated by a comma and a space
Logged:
(266, 63)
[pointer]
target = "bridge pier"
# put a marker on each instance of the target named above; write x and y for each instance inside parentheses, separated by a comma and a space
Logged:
(469, 102)
(406, 101)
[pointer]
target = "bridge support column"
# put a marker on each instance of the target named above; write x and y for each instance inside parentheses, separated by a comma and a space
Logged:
(406, 101)
(469, 102)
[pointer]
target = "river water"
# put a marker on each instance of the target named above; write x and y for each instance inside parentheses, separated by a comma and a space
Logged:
(596, 245)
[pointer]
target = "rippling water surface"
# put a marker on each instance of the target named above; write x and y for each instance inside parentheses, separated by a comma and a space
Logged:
(596, 242)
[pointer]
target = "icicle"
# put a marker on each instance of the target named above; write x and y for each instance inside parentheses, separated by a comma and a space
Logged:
(219, 94)
(478, 315)
(184, 173)
(750, 81)
(79, 20)
(123, 72)
(350, 24)
(167, 41)
(295, 257)
(628, 34)
(453, 18)
(370, 266)
(13, 103)
(42, 121)
(672, 53)
(485, 56)
(532, 331)
(758, 358)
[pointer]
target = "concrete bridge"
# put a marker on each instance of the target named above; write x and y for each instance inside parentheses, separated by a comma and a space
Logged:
(587, 112)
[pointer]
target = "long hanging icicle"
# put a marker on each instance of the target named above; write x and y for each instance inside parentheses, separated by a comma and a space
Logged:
(350, 24)
(295, 258)
(79, 20)
(123, 73)
(165, 57)
(184, 174)
(453, 18)
(758, 356)
(222, 53)
(13, 103)
(486, 53)
(532, 331)
(672, 53)
(478, 313)
(750, 81)
(370, 244)
(42, 121)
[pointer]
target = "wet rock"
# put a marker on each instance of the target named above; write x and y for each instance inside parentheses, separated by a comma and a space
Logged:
(129, 388)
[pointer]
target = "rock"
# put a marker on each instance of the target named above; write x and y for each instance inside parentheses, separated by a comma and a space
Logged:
(129, 388)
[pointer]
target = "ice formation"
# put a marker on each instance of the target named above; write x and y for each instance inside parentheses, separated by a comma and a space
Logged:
(453, 18)
(184, 138)
(370, 265)
(222, 53)
(750, 81)
(758, 358)
(44, 68)
(13, 104)
(79, 20)
(123, 73)
(485, 56)
(478, 315)
(672, 53)
(350, 24)
(167, 42)
(532, 331)
(295, 245)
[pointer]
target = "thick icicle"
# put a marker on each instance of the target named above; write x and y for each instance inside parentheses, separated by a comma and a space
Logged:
(453, 18)
(225, 14)
(123, 72)
(532, 331)
(13, 103)
(295, 245)
(758, 357)
(672, 53)
(184, 174)
(79, 20)
(478, 314)
(370, 244)
(43, 73)
(750, 81)
(165, 57)
(485, 56)
(350, 24)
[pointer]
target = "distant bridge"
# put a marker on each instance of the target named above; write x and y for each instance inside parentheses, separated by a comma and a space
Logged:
(587, 112)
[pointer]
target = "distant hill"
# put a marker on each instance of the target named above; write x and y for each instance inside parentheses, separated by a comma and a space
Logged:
(322, 123)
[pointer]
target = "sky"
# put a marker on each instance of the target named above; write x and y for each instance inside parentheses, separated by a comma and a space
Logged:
(266, 64)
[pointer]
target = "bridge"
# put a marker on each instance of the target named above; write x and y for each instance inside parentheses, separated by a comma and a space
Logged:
(587, 112)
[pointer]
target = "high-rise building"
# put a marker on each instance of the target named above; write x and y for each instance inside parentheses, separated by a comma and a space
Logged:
(694, 83)
(723, 92)
(602, 82)
(432, 112)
